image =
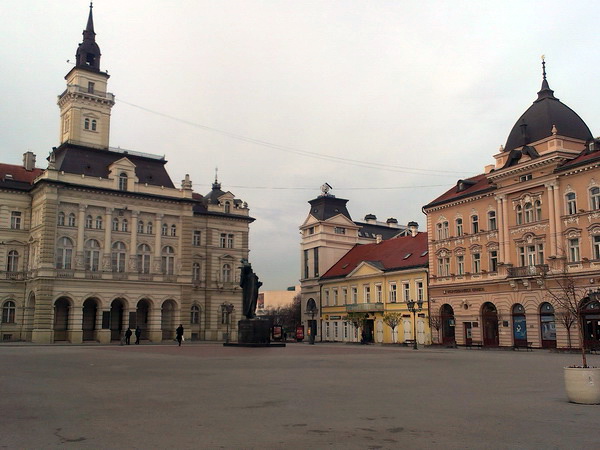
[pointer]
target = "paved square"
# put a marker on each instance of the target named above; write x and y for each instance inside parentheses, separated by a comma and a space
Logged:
(298, 397)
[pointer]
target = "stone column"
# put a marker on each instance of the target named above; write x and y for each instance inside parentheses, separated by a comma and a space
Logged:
(157, 243)
(550, 187)
(501, 220)
(154, 324)
(506, 233)
(75, 332)
(106, 248)
(102, 335)
(133, 246)
(560, 251)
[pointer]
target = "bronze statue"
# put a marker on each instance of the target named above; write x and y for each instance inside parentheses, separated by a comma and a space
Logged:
(250, 286)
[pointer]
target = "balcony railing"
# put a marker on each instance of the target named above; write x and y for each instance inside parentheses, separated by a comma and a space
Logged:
(14, 275)
(93, 275)
(528, 271)
(364, 307)
(65, 273)
(145, 276)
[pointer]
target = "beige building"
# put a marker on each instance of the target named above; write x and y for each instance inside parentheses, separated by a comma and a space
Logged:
(327, 234)
(499, 240)
(276, 299)
(102, 239)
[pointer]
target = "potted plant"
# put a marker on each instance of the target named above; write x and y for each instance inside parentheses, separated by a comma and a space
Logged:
(582, 382)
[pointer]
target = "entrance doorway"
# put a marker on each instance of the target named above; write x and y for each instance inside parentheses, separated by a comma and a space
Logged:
(489, 320)
(141, 317)
(590, 317)
(548, 325)
(468, 333)
(519, 323)
(448, 325)
(62, 308)
(117, 309)
(368, 332)
(90, 309)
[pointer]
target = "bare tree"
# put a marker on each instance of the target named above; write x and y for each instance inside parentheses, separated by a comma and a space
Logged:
(287, 316)
(392, 320)
(567, 320)
(435, 322)
(357, 319)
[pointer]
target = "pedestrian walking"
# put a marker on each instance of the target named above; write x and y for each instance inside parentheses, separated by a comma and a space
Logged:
(138, 333)
(128, 334)
(179, 334)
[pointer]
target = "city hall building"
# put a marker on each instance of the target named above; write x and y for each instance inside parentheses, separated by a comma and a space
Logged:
(102, 239)
(500, 240)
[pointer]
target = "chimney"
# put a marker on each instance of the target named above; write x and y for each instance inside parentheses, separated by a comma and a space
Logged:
(29, 161)
(378, 238)
(413, 228)
(392, 223)
(371, 218)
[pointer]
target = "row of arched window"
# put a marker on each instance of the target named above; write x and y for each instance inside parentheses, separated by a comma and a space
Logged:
(443, 232)
(117, 224)
(90, 124)
(571, 200)
(529, 212)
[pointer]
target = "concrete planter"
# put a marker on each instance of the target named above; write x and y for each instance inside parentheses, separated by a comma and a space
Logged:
(583, 385)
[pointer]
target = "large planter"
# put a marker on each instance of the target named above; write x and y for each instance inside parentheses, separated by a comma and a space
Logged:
(583, 385)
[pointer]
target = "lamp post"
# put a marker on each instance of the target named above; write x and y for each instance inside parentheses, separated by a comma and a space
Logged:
(414, 308)
(227, 309)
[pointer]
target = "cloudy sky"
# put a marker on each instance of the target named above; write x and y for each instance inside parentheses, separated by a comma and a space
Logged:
(390, 102)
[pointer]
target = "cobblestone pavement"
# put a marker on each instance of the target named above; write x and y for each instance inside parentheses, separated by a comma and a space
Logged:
(298, 397)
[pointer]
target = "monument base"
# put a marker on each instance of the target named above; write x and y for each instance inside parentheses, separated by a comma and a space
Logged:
(254, 333)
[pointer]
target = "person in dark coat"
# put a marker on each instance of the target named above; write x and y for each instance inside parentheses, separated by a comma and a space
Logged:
(179, 334)
(128, 334)
(138, 333)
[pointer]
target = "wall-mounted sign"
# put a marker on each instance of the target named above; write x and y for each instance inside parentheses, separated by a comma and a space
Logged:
(335, 317)
(462, 291)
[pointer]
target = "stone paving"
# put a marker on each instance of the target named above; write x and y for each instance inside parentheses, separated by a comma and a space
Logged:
(298, 397)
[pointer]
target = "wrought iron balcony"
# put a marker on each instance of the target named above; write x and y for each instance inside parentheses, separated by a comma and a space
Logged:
(528, 271)
(364, 307)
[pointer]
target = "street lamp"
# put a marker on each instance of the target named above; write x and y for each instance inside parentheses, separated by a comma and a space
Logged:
(227, 309)
(414, 308)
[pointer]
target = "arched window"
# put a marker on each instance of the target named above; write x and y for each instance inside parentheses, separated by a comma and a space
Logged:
(548, 325)
(12, 263)
(99, 222)
(140, 227)
(571, 203)
(149, 228)
(165, 229)
(195, 315)
(226, 273)
(143, 257)
(89, 221)
(227, 207)
(595, 198)
(196, 271)
(94, 123)
(538, 210)
(168, 260)
(61, 219)
(528, 212)
(92, 255)
(8, 312)
(122, 181)
(459, 227)
(64, 253)
(519, 325)
(118, 257)
(519, 210)
(492, 224)
(124, 225)
(86, 124)
(71, 220)
(173, 230)
(115, 224)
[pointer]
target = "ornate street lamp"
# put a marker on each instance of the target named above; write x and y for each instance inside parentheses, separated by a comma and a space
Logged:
(414, 308)
(227, 309)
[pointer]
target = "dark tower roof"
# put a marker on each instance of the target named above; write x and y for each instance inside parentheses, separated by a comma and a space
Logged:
(547, 111)
(88, 52)
(326, 206)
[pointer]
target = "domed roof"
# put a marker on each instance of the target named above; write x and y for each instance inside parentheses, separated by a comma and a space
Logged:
(546, 112)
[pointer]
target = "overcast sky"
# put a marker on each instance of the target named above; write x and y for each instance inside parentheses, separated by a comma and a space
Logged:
(406, 85)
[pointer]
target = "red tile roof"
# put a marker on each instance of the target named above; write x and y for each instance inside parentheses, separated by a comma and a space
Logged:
(583, 158)
(387, 255)
(19, 173)
(480, 184)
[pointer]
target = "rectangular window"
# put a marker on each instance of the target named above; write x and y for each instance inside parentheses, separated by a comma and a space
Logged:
(335, 330)
(326, 297)
(354, 293)
(476, 262)
(230, 241)
(474, 224)
(91, 86)
(316, 261)
(344, 296)
(311, 230)
(405, 291)
(420, 291)
(339, 230)
(195, 238)
(305, 263)
(443, 266)
(367, 297)
(571, 203)
(459, 227)
(494, 261)
(492, 224)
(525, 177)
(393, 292)
(223, 240)
(15, 220)
(335, 296)
(378, 293)
(596, 247)
(574, 250)
(460, 265)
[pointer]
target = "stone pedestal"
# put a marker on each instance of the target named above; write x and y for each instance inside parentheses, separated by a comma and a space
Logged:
(42, 336)
(254, 331)
(103, 336)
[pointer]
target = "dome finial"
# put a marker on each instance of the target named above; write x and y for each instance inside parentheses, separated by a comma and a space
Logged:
(545, 91)
(216, 185)
(544, 66)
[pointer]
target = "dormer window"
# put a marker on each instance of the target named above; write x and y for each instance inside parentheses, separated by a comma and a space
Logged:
(525, 177)
(122, 181)
(461, 185)
(227, 207)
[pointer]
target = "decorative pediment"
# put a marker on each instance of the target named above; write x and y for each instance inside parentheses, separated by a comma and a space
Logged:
(366, 268)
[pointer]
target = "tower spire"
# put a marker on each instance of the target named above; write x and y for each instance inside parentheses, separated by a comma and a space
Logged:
(216, 184)
(88, 52)
(545, 91)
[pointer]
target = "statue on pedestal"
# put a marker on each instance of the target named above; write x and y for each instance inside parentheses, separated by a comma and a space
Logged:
(250, 286)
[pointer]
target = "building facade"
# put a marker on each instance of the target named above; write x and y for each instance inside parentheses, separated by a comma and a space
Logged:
(375, 280)
(327, 234)
(102, 240)
(501, 240)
